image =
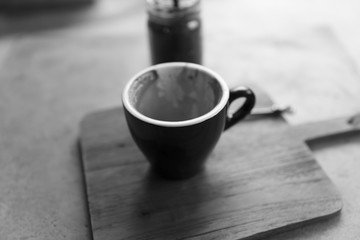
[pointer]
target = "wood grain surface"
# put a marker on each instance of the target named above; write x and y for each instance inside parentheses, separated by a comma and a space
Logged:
(256, 183)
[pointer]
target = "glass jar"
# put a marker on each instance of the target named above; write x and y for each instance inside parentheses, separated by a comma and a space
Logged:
(174, 29)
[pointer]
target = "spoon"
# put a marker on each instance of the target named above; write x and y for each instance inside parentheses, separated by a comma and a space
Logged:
(275, 109)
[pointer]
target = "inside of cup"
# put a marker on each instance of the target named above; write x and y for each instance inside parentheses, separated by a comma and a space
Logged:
(175, 93)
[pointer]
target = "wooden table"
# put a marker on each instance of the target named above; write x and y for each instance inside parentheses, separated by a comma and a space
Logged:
(58, 66)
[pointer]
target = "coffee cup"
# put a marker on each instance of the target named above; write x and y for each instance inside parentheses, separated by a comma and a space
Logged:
(176, 113)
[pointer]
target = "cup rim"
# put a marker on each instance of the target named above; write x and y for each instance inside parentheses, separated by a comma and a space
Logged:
(219, 106)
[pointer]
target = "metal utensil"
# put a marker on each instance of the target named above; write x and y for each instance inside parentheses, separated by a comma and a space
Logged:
(272, 110)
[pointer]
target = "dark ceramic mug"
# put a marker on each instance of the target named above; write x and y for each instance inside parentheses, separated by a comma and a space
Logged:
(176, 113)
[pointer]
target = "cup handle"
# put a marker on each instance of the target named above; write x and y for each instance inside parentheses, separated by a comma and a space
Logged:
(245, 109)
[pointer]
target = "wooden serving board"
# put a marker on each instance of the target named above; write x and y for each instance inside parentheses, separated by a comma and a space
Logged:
(260, 179)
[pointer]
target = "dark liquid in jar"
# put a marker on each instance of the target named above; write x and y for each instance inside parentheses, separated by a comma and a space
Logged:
(178, 42)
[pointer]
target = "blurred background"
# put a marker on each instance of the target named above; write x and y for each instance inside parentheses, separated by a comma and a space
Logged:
(277, 44)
